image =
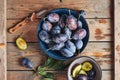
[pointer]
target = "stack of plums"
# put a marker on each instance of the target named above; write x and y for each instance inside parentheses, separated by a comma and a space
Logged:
(62, 33)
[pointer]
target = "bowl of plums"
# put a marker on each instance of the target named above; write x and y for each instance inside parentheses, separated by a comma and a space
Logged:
(84, 68)
(63, 33)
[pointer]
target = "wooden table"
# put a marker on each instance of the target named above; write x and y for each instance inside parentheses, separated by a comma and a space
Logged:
(100, 47)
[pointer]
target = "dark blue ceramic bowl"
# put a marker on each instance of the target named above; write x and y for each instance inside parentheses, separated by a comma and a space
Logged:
(61, 11)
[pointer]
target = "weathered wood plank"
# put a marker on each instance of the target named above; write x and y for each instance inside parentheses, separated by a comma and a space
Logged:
(100, 30)
(28, 75)
(101, 52)
(117, 39)
(3, 54)
(21, 9)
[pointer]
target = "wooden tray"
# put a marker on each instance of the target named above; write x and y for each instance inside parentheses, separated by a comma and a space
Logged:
(103, 34)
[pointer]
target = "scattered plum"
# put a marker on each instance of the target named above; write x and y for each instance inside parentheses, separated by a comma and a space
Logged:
(27, 63)
(79, 34)
(21, 43)
(44, 36)
(47, 26)
(67, 53)
(53, 17)
(79, 44)
(71, 22)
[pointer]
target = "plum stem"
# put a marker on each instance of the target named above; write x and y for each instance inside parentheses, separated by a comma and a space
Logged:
(65, 26)
(79, 16)
(49, 49)
(78, 51)
(45, 19)
(34, 69)
(69, 12)
(71, 38)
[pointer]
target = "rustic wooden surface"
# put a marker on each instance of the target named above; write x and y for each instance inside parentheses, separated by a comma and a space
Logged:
(117, 38)
(3, 54)
(100, 46)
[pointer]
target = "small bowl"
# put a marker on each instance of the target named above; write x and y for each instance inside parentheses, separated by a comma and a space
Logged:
(81, 60)
(61, 11)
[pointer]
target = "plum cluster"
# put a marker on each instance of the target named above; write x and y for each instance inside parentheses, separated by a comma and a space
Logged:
(63, 33)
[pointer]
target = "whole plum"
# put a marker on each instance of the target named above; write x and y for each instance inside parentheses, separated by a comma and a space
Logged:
(71, 22)
(70, 46)
(68, 32)
(60, 38)
(57, 46)
(53, 17)
(47, 26)
(82, 77)
(79, 34)
(56, 30)
(44, 36)
(79, 24)
(27, 63)
(79, 44)
(63, 21)
(91, 73)
(67, 53)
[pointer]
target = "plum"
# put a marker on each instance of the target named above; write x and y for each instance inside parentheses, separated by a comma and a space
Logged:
(79, 44)
(53, 17)
(68, 32)
(63, 21)
(71, 22)
(56, 30)
(67, 53)
(27, 63)
(91, 73)
(57, 46)
(44, 36)
(79, 34)
(47, 26)
(82, 77)
(79, 24)
(70, 46)
(60, 38)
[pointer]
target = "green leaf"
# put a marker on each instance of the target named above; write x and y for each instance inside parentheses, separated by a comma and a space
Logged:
(40, 68)
(47, 79)
(50, 62)
(46, 74)
(57, 65)
(42, 73)
(49, 75)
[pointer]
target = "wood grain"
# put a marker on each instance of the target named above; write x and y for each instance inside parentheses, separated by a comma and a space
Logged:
(100, 46)
(100, 30)
(102, 54)
(93, 8)
(3, 54)
(117, 38)
(61, 75)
